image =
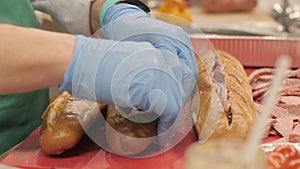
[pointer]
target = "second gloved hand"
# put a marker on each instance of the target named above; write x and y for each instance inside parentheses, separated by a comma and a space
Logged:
(129, 23)
(73, 16)
(131, 75)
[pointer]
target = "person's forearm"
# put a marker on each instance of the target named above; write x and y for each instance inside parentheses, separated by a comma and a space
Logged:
(32, 59)
(95, 15)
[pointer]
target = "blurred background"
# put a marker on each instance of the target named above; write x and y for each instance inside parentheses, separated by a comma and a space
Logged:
(279, 18)
(236, 17)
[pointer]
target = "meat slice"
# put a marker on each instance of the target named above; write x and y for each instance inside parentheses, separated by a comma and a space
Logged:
(294, 73)
(268, 127)
(284, 125)
(273, 132)
(290, 90)
(280, 112)
(277, 111)
(286, 113)
(293, 110)
(257, 94)
(254, 76)
(282, 140)
(290, 100)
(259, 85)
(295, 135)
(292, 81)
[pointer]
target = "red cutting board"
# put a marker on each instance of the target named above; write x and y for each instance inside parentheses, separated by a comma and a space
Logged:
(87, 155)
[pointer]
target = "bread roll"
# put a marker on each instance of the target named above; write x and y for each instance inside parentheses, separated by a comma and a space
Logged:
(126, 137)
(64, 122)
(236, 122)
(67, 118)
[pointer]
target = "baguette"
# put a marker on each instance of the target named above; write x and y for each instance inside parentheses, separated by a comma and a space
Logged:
(237, 120)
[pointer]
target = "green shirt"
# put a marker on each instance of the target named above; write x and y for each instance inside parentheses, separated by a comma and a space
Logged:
(20, 114)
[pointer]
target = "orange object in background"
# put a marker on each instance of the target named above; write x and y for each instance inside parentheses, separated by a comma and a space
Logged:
(284, 157)
(175, 9)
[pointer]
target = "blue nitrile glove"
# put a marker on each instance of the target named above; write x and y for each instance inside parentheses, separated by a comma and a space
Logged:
(130, 74)
(129, 23)
(72, 16)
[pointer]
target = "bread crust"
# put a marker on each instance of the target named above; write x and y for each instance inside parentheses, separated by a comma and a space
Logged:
(67, 118)
(241, 104)
(126, 137)
(64, 123)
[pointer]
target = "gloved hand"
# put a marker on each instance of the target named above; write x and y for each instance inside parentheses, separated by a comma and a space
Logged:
(76, 17)
(131, 75)
(73, 16)
(129, 23)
